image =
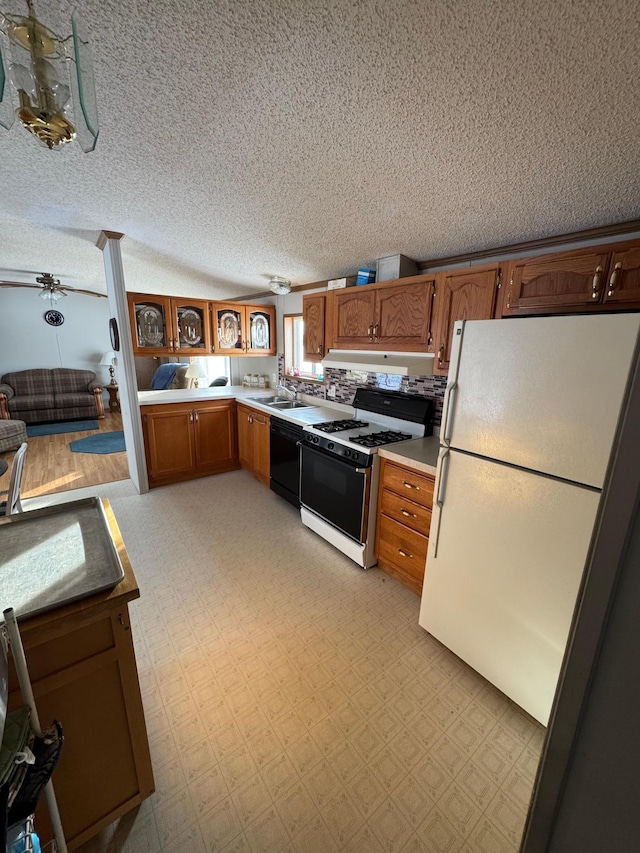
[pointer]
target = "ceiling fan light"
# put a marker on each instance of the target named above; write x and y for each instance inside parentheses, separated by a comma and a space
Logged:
(279, 285)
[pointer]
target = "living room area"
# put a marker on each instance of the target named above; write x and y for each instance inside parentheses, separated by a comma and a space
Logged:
(68, 391)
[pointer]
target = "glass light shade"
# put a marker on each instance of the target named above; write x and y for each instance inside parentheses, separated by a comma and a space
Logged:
(52, 295)
(22, 78)
(279, 285)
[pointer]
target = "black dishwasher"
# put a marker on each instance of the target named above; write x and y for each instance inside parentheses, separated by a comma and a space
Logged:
(285, 460)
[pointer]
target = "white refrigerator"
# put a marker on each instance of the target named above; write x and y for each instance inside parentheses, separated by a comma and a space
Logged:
(529, 421)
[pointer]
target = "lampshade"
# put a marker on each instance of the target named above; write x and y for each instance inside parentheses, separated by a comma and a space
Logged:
(196, 371)
(108, 358)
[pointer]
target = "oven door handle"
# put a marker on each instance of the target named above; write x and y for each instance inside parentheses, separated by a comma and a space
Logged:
(361, 470)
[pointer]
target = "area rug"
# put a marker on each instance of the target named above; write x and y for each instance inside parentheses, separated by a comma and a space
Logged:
(103, 442)
(62, 426)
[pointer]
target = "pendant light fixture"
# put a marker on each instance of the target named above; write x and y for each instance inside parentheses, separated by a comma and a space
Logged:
(52, 81)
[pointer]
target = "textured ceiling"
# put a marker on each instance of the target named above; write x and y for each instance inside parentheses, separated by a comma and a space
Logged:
(240, 140)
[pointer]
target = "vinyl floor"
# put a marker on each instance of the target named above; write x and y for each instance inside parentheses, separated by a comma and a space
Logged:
(293, 703)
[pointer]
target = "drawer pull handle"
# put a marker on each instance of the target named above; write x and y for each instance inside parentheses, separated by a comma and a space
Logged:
(408, 514)
(410, 486)
(404, 554)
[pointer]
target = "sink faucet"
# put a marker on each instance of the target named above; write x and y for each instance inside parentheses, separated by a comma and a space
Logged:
(292, 393)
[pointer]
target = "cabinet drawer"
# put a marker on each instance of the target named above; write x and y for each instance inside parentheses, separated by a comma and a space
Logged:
(403, 481)
(407, 512)
(402, 548)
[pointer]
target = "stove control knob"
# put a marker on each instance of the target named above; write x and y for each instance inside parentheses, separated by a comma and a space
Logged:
(347, 452)
(330, 446)
(315, 439)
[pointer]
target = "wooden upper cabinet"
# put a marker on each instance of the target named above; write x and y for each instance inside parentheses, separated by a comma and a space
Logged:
(623, 282)
(461, 295)
(354, 310)
(402, 316)
(260, 323)
(313, 318)
(243, 329)
(229, 334)
(570, 280)
(151, 326)
(393, 316)
(191, 327)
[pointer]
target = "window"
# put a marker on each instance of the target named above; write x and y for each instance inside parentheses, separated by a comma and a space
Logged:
(215, 366)
(294, 363)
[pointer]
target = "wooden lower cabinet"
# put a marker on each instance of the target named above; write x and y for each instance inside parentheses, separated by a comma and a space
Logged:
(183, 442)
(405, 502)
(83, 670)
(254, 440)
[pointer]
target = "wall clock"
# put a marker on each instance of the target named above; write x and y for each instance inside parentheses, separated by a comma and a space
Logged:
(54, 318)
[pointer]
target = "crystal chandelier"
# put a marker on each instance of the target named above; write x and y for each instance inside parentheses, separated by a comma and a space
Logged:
(53, 81)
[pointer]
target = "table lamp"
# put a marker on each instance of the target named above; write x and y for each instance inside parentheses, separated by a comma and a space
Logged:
(107, 359)
(194, 372)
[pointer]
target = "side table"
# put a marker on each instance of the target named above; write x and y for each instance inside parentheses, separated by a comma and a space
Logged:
(114, 402)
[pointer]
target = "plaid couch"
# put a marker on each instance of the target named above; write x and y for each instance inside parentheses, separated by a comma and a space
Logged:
(41, 395)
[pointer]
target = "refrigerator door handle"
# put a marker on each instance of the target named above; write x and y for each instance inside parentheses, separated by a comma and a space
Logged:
(452, 389)
(442, 487)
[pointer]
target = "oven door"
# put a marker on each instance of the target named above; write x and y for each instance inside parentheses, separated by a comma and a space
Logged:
(335, 490)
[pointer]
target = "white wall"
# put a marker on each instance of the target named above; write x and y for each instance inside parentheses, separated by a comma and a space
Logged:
(27, 341)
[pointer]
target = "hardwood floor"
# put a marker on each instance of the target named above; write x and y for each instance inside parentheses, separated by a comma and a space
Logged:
(51, 467)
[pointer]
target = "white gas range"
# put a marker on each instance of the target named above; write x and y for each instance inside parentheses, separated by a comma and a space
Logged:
(339, 467)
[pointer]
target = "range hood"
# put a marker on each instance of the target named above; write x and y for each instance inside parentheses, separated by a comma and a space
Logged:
(398, 363)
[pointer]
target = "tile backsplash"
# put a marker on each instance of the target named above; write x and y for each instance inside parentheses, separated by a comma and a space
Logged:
(345, 385)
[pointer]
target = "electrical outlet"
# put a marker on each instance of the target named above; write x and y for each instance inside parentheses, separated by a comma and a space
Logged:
(274, 378)
(331, 392)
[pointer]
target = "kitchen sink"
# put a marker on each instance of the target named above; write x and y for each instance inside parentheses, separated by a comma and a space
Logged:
(289, 404)
(267, 401)
(278, 402)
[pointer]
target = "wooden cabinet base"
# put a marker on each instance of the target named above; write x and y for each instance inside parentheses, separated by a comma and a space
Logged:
(82, 666)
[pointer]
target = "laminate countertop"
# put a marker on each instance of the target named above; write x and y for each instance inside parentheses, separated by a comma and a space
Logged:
(421, 454)
(315, 411)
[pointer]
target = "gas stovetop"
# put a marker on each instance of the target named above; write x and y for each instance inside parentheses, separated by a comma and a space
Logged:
(398, 417)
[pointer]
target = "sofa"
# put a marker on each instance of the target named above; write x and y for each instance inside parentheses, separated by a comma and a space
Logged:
(59, 394)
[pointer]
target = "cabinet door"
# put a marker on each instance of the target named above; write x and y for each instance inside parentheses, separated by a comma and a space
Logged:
(313, 317)
(261, 438)
(260, 322)
(151, 328)
(461, 296)
(556, 284)
(169, 443)
(623, 284)
(216, 448)
(228, 328)
(402, 316)
(354, 317)
(191, 326)
(245, 443)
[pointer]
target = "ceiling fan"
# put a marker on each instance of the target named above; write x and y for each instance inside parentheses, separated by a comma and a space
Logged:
(51, 289)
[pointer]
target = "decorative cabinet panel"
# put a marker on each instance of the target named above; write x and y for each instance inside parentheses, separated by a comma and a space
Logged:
(182, 442)
(461, 295)
(313, 317)
(601, 278)
(569, 281)
(391, 316)
(260, 322)
(253, 440)
(151, 327)
(404, 519)
(167, 325)
(191, 328)
(243, 329)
